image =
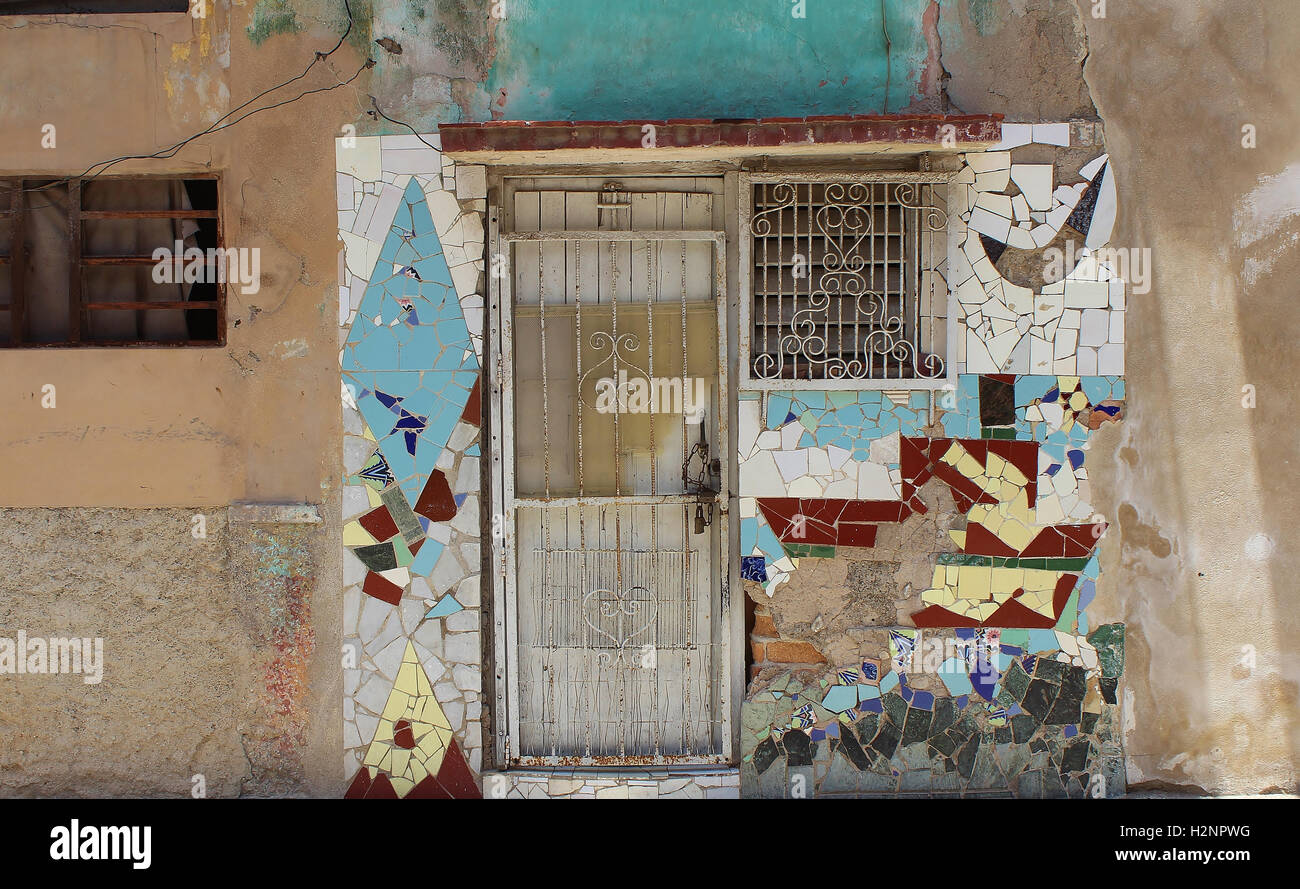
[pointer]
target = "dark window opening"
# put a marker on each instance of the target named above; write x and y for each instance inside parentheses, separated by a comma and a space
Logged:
(79, 262)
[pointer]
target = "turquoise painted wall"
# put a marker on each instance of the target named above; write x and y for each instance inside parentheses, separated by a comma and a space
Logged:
(620, 59)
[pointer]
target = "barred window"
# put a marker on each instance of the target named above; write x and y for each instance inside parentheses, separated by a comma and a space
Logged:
(846, 279)
(113, 261)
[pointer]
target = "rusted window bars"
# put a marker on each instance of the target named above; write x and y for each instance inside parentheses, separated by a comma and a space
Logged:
(79, 262)
(846, 280)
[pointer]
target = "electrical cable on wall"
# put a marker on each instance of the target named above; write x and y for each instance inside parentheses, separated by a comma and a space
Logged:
(222, 122)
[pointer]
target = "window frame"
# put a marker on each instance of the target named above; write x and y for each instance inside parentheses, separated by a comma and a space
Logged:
(79, 307)
(745, 286)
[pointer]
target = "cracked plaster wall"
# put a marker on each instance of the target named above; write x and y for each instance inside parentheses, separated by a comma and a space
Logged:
(220, 653)
(1203, 570)
(1205, 549)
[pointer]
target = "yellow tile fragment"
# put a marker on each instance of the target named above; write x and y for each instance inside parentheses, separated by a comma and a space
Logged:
(973, 582)
(1015, 535)
(406, 680)
(969, 466)
(355, 535)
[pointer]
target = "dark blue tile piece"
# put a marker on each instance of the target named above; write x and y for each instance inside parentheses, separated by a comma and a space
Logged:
(789, 418)
(870, 671)
(962, 702)
(1071, 731)
(875, 705)
(460, 499)
(984, 677)
(1011, 649)
(1052, 394)
(923, 700)
(1028, 664)
(753, 568)
(906, 693)
(817, 734)
(1081, 217)
(1053, 469)
(1014, 710)
(833, 730)
(965, 632)
(1076, 458)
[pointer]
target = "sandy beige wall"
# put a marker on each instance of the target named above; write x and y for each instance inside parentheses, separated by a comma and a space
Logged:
(259, 419)
(221, 654)
(1205, 489)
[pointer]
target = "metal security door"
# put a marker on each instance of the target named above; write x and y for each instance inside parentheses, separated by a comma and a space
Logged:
(611, 411)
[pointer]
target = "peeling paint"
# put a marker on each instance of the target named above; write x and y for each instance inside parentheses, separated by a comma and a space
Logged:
(272, 17)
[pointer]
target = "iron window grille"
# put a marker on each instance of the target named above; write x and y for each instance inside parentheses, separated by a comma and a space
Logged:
(847, 280)
(78, 261)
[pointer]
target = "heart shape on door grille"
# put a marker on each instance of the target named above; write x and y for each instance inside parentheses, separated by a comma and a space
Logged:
(620, 617)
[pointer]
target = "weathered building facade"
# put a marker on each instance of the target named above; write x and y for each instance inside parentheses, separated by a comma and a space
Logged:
(682, 401)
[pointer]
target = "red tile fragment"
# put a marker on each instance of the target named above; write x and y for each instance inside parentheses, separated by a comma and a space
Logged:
(938, 616)
(381, 788)
(1013, 615)
(402, 735)
(428, 788)
(381, 588)
(1061, 595)
(855, 534)
(454, 775)
(379, 523)
(1046, 543)
(1081, 540)
(360, 784)
(980, 541)
(436, 503)
(473, 414)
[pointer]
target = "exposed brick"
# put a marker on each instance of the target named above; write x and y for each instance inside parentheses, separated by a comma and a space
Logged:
(784, 652)
(757, 648)
(764, 627)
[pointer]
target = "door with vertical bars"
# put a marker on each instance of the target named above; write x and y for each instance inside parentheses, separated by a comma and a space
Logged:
(611, 406)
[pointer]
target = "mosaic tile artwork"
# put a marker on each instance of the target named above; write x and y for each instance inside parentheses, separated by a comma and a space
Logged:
(1073, 325)
(413, 754)
(1011, 713)
(411, 316)
(1022, 698)
(993, 684)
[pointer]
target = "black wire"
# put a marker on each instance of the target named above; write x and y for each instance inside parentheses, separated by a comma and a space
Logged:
(401, 123)
(217, 125)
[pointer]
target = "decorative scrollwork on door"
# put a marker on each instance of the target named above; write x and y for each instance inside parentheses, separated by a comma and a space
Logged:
(622, 618)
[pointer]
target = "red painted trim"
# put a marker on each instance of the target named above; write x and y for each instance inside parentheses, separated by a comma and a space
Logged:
(842, 129)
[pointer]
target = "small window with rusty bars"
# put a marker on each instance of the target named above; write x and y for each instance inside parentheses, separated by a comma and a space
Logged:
(80, 262)
(846, 280)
